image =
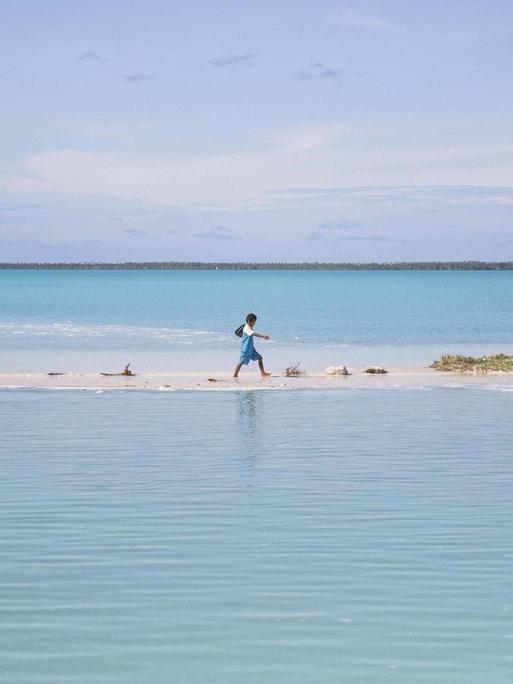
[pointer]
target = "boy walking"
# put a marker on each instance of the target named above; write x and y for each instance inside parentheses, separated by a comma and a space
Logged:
(247, 349)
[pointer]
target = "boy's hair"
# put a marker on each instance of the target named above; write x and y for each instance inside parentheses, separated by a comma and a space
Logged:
(250, 317)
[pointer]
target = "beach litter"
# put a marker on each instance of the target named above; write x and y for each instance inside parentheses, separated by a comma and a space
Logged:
(337, 370)
(293, 371)
(375, 370)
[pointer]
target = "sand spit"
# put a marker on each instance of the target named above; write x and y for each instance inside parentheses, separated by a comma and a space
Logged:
(396, 378)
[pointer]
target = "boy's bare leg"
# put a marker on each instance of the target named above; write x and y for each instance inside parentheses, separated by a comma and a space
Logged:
(237, 369)
(263, 372)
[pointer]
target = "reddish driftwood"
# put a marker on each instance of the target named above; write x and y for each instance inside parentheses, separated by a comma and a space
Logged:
(125, 372)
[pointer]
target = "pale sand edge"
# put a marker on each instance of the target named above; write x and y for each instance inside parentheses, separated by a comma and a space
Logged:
(172, 380)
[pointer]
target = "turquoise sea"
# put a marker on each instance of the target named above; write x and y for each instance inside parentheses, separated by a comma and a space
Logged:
(68, 320)
(354, 536)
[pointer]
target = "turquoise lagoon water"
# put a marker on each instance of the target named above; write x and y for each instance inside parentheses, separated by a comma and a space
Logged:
(66, 320)
(357, 535)
(350, 536)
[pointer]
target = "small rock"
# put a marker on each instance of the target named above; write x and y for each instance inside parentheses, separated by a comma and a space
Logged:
(336, 370)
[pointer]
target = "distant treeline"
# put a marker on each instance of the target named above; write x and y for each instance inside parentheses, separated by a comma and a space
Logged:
(271, 266)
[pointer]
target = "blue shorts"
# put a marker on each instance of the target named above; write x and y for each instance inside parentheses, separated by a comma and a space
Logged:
(249, 355)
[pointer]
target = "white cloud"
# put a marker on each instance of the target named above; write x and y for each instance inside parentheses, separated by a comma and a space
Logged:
(351, 19)
(323, 158)
(303, 138)
(376, 198)
(171, 180)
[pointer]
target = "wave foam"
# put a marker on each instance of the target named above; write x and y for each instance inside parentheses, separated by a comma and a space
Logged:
(69, 330)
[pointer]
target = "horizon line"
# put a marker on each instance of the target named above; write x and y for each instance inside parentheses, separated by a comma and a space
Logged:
(263, 265)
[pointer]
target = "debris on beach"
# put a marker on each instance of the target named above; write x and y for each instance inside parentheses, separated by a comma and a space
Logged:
(470, 364)
(375, 370)
(125, 372)
(337, 370)
(55, 373)
(213, 380)
(293, 371)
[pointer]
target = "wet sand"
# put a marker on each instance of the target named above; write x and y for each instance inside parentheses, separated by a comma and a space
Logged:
(396, 378)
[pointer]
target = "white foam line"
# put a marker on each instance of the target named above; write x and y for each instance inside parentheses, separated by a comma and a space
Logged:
(74, 330)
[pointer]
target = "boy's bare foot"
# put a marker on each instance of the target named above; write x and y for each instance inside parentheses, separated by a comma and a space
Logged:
(265, 374)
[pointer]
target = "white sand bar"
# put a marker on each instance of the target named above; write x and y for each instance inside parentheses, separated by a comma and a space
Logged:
(396, 378)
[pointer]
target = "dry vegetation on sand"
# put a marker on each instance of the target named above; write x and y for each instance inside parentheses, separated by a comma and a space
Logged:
(469, 364)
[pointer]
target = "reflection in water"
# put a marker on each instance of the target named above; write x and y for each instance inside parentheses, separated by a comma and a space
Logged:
(367, 540)
(250, 415)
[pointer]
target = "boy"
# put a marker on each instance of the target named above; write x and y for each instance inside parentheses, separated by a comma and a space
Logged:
(247, 350)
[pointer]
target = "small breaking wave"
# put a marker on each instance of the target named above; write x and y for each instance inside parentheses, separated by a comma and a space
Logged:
(68, 331)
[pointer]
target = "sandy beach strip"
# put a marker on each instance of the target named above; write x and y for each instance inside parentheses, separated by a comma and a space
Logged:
(395, 378)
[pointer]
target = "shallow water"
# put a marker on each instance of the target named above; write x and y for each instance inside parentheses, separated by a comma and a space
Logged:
(354, 536)
(60, 320)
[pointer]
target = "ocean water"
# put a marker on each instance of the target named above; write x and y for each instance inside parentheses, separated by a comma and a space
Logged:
(81, 320)
(226, 537)
(351, 536)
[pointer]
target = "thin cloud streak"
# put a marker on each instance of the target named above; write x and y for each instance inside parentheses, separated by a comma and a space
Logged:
(134, 232)
(138, 78)
(247, 59)
(89, 57)
(217, 233)
(338, 225)
(369, 238)
(317, 71)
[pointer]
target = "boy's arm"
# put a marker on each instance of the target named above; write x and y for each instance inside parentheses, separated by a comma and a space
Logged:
(264, 337)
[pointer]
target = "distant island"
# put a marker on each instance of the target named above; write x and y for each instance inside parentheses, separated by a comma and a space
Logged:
(265, 266)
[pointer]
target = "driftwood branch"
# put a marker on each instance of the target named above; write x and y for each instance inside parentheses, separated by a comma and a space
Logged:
(293, 371)
(126, 372)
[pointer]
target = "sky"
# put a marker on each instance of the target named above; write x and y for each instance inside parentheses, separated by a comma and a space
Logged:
(256, 131)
